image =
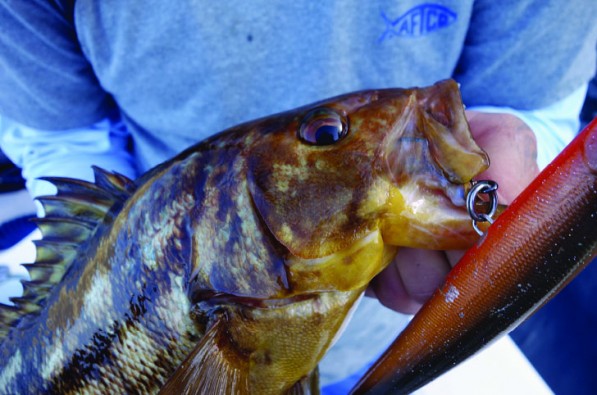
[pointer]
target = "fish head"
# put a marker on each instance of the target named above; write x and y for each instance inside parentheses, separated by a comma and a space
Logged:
(342, 183)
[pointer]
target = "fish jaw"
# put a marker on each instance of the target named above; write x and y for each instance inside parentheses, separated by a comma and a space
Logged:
(433, 125)
(344, 270)
(430, 158)
(433, 222)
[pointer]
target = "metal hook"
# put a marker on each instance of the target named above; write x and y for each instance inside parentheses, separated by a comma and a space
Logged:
(486, 187)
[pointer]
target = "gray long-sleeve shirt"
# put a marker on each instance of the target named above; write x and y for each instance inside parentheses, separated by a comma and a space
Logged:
(181, 71)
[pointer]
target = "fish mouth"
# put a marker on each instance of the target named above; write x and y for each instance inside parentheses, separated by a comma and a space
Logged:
(411, 167)
(436, 219)
(455, 194)
(423, 215)
(430, 156)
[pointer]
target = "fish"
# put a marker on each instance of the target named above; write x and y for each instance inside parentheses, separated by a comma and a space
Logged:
(537, 245)
(233, 267)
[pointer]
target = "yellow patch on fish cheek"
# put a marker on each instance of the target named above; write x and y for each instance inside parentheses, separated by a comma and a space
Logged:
(284, 175)
(340, 218)
(351, 268)
(321, 164)
(355, 124)
(376, 199)
(282, 185)
(380, 123)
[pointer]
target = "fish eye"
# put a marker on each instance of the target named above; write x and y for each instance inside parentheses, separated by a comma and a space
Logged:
(323, 126)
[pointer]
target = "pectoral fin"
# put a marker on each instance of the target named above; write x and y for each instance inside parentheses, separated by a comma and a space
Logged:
(308, 385)
(213, 367)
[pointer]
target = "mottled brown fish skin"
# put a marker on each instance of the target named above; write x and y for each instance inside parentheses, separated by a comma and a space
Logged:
(120, 320)
(242, 256)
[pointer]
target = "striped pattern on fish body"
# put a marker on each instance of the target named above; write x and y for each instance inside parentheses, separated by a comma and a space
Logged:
(232, 267)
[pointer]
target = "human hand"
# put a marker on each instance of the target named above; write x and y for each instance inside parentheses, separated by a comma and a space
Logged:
(415, 274)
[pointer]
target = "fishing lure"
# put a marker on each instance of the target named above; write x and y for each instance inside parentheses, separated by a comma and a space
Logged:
(535, 247)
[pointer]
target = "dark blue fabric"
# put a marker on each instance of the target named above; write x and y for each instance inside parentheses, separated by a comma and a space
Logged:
(10, 176)
(13, 231)
(561, 339)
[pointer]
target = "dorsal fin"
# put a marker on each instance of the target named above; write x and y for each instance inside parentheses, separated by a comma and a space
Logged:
(71, 218)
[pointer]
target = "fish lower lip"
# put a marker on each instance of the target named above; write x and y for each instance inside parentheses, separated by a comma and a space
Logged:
(457, 195)
(451, 195)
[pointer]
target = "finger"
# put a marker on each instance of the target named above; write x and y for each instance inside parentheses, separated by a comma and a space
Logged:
(410, 279)
(512, 148)
(421, 271)
(389, 290)
(454, 256)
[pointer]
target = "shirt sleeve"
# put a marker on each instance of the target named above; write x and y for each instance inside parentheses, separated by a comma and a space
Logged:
(66, 153)
(527, 54)
(45, 80)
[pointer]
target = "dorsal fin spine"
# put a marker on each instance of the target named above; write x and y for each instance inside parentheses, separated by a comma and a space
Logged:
(44, 272)
(72, 217)
(67, 205)
(114, 183)
(54, 251)
(58, 229)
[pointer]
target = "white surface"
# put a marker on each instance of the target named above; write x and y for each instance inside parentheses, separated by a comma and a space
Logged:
(500, 369)
(22, 252)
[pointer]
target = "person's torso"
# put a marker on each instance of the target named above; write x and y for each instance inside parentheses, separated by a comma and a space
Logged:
(183, 71)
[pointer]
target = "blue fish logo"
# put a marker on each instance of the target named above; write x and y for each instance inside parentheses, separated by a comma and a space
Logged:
(418, 21)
